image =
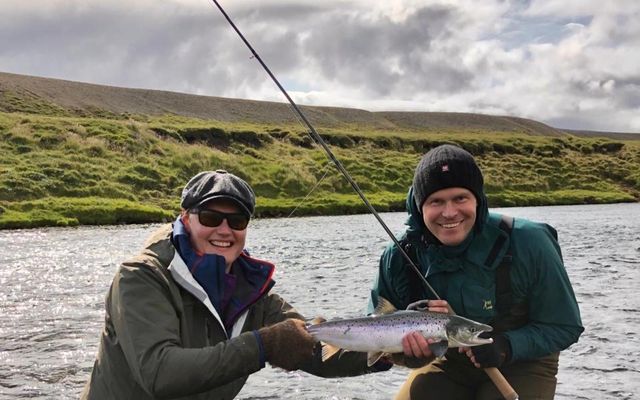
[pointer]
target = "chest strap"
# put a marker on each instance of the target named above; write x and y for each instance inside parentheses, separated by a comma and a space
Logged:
(415, 285)
(509, 315)
(504, 299)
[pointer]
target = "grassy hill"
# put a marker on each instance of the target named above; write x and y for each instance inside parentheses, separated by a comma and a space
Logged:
(76, 153)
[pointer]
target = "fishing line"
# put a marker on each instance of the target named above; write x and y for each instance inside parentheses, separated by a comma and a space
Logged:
(496, 376)
(315, 136)
(326, 171)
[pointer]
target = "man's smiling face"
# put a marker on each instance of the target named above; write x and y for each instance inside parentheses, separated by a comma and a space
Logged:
(450, 214)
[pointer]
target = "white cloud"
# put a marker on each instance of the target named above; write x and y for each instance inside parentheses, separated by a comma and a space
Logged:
(577, 8)
(568, 63)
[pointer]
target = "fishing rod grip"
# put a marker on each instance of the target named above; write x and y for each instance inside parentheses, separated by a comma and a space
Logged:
(501, 383)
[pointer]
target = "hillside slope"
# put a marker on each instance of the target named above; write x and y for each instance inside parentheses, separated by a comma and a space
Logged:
(21, 93)
(73, 153)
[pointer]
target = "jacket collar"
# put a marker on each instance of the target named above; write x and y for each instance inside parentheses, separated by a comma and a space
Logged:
(254, 280)
(483, 249)
(180, 273)
(254, 286)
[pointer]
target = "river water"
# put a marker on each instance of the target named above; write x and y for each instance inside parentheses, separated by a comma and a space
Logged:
(53, 282)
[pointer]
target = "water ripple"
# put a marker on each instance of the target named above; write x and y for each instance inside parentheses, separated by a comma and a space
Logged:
(53, 283)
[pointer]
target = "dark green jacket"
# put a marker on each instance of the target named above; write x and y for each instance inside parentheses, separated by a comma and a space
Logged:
(460, 276)
(163, 338)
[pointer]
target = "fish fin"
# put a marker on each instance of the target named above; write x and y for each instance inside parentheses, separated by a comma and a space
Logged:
(384, 307)
(329, 351)
(317, 320)
(439, 348)
(373, 357)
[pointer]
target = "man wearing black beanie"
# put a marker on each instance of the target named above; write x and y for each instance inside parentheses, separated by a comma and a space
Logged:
(488, 267)
(447, 167)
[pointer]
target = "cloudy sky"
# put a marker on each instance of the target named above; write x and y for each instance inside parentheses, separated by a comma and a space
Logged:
(569, 63)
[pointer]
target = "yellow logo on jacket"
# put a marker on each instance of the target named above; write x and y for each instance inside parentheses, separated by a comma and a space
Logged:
(487, 305)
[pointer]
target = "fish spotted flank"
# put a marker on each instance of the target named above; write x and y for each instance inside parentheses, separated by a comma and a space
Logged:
(382, 332)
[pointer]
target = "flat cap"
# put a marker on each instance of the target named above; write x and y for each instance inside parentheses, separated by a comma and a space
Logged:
(219, 184)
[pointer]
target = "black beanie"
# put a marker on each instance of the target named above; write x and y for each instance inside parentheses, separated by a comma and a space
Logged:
(444, 167)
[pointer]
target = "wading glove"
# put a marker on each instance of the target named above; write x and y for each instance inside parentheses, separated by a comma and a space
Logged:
(494, 354)
(287, 344)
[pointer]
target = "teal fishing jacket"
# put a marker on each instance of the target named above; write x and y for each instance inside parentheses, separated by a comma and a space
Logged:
(465, 276)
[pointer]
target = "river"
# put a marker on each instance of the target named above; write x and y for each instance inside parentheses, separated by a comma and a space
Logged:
(53, 282)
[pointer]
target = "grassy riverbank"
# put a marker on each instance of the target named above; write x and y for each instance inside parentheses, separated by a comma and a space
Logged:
(61, 170)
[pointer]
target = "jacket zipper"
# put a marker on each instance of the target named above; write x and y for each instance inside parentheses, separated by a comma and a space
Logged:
(207, 329)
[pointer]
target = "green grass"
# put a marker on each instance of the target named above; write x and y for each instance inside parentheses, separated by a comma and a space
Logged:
(61, 211)
(61, 170)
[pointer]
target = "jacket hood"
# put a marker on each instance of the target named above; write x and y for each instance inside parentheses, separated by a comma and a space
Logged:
(417, 230)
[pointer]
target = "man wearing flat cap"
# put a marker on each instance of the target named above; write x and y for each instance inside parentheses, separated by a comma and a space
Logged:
(193, 315)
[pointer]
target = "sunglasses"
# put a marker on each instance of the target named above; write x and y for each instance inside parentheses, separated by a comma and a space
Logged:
(212, 219)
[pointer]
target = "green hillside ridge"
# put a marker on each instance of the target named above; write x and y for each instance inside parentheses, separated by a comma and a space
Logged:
(66, 164)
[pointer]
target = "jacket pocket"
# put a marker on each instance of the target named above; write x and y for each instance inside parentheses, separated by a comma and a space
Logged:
(479, 302)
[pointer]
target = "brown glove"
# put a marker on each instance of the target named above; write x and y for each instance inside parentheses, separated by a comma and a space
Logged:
(287, 344)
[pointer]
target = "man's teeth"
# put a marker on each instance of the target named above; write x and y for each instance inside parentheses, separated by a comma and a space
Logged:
(449, 226)
(220, 244)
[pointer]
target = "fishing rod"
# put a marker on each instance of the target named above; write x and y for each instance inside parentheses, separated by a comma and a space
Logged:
(314, 134)
(498, 379)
